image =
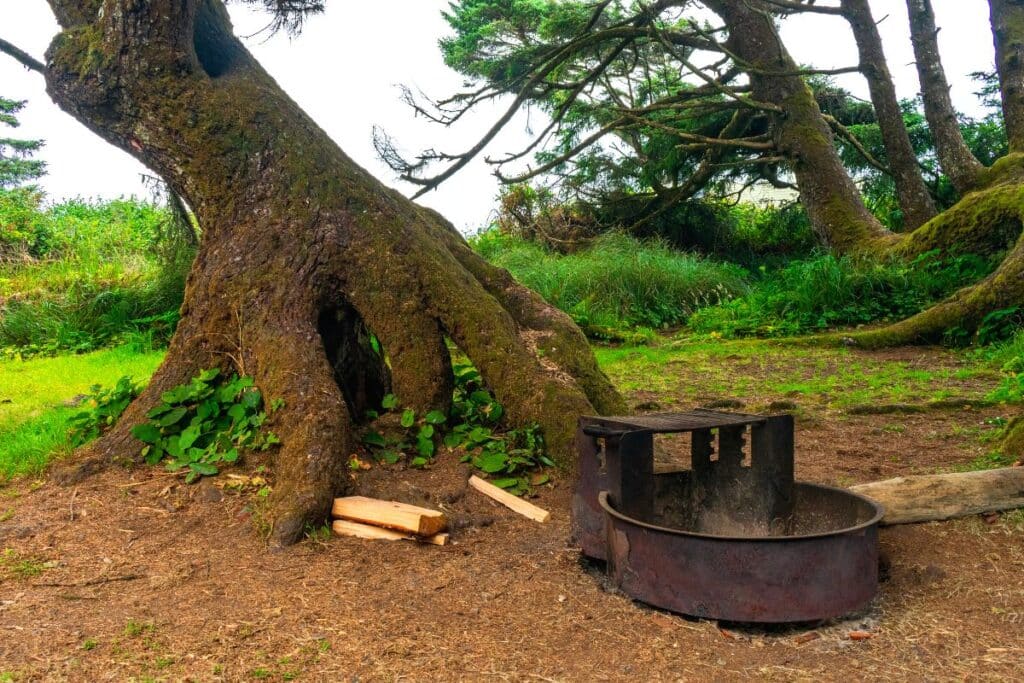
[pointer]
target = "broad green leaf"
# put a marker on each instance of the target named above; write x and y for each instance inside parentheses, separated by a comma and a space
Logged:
(172, 417)
(374, 439)
(434, 417)
(408, 418)
(208, 375)
(505, 483)
(160, 409)
(189, 436)
(491, 462)
(146, 433)
(389, 402)
(203, 468)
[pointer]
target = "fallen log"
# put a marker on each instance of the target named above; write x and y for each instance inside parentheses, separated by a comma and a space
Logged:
(390, 514)
(513, 503)
(936, 497)
(343, 527)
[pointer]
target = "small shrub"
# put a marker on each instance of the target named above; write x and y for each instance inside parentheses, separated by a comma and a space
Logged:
(204, 423)
(103, 408)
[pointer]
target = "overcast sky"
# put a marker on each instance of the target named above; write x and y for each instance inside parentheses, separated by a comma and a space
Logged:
(345, 66)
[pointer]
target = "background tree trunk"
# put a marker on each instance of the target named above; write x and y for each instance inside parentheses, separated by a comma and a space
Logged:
(955, 157)
(304, 254)
(1007, 19)
(914, 197)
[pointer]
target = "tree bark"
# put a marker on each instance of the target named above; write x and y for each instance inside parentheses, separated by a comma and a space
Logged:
(304, 254)
(956, 159)
(1007, 19)
(914, 197)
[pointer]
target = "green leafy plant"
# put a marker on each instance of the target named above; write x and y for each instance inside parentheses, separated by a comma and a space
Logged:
(472, 425)
(103, 407)
(206, 422)
(417, 436)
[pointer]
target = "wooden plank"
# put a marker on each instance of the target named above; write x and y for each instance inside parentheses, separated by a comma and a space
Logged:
(343, 527)
(514, 503)
(390, 514)
(935, 497)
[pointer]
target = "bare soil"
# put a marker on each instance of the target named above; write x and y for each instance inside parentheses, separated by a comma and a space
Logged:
(135, 575)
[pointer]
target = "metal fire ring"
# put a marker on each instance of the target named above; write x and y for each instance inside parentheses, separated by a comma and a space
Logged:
(733, 538)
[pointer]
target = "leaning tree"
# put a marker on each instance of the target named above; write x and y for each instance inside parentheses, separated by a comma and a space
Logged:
(697, 89)
(304, 254)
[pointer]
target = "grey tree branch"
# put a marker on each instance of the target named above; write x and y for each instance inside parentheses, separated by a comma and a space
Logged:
(27, 60)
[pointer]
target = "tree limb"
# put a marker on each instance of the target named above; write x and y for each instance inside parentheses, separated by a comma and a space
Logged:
(795, 6)
(27, 60)
(852, 139)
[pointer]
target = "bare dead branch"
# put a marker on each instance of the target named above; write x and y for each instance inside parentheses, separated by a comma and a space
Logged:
(848, 135)
(27, 60)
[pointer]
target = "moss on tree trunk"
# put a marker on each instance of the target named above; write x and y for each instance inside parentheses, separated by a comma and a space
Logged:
(304, 254)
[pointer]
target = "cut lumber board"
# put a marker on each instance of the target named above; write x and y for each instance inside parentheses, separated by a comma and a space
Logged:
(343, 527)
(390, 514)
(514, 503)
(934, 497)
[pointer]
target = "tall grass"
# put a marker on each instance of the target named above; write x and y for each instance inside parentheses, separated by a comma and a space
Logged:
(618, 281)
(828, 291)
(90, 274)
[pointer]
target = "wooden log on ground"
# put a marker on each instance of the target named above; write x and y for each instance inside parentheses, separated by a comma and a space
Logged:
(935, 497)
(343, 527)
(514, 503)
(386, 513)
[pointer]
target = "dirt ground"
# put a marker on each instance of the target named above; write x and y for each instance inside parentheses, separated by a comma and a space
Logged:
(135, 575)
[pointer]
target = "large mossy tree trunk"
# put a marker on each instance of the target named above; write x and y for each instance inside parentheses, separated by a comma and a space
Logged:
(304, 254)
(987, 220)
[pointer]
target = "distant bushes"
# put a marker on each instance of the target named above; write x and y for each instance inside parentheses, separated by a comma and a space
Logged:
(826, 291)
(81, 275)
(617, 281)
(741, 233)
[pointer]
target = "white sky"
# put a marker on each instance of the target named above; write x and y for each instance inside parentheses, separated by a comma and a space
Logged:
(345, 66)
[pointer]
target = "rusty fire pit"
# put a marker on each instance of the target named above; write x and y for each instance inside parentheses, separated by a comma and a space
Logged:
(734, 537)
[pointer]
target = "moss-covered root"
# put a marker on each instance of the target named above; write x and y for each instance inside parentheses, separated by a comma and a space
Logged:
(549, 332)
(313, 425)
(984, 221)
(1012, 441)
(964, 310)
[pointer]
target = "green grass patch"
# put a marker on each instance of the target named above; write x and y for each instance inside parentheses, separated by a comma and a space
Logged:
(690, 371)
(33, 417)
(827, 292)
